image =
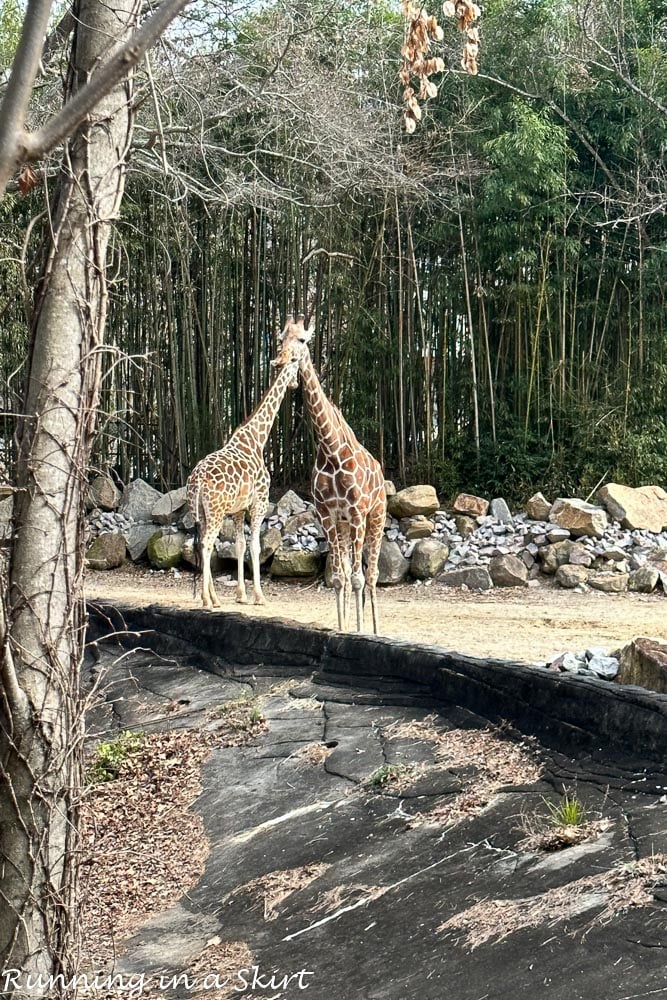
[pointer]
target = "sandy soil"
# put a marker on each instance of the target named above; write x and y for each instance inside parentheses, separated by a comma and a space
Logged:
(530, 624)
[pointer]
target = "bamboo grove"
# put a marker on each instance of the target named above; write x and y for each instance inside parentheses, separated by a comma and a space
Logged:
(489, 293)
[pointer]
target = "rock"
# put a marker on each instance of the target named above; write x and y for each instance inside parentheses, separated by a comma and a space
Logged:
(644, 580)
(165, 551)
(473, 577)
(644, 507)
(169, 507)
(555, 555)
(188, 556)
(499, 509)
(428, 558)
(465, 525)
(570, 577)
(269, 544)
(137, 537)
(538, 507)
(138, 501)
(610, 583)
(295, 562)
(389, 488)
(227, 531)
(558, 534)
(606, 667)
(580, 518)
(644, 662)
(300, 520)
(569, 662)
(393, 566)
(413, 500)
(508, 571)
(103, 494)
(107, 551)
(417, 527)
(580, 556)
(289, 504)
(466, 503)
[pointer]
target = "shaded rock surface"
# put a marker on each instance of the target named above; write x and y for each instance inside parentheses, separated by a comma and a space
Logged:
(107, 551)
(138, 500)
(428, 559)
(166, 550)
(393, 566)
(644, 662)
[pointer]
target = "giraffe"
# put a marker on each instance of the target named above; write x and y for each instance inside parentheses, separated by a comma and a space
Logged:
(348, 488)
(234, 480)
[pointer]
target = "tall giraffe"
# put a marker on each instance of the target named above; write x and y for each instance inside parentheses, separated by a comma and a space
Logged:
(348, 488)
(234, 480)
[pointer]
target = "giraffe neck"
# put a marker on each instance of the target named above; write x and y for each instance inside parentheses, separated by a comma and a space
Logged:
(329, 423)
(258, 426)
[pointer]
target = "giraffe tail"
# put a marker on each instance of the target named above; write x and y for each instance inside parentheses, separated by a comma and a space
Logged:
(196, 548)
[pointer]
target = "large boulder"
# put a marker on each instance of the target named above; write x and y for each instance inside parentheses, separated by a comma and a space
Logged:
(107, 551)
(538, 507)
(417, 527)
(169, 507)
(269, 543)
(467, 503)
(137, 537)
(644, 662)
(555, 555)
(295, 562)
(500, 510)
(580, 518)
(428, 558)
(465, 525)
(138, 501)
(570, 577)
(413, 500)
(103, 494)
(473, 577)
(508, 571)
(188, 556)
(392, 565)
(641, 508)
(166, 551)
(644, 580)
(610, 583)
(289, 504)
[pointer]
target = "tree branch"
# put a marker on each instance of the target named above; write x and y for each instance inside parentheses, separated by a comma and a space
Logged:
(25, 67)
(29, 147)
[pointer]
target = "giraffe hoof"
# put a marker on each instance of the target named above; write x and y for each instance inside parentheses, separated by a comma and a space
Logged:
(241, 599)
(260, 600)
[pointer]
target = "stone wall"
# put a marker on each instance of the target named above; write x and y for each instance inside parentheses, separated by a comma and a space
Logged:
(562, 709)
(615, 545)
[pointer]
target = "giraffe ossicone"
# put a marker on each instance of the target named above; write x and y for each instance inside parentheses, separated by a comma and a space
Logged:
(234, 480)
(348, 488)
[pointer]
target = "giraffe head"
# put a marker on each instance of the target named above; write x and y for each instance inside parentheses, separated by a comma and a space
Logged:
(293, 344)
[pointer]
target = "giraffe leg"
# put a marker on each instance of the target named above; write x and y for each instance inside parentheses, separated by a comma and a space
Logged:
(208, 592)
(256, 518)
(357, 533)
(344, 547)
(239, 522)
(374, 533)
(337, 571)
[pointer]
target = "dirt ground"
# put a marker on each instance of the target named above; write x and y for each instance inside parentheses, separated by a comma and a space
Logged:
(532, 624)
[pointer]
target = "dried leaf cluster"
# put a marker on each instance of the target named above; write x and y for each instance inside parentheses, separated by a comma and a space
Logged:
(466, 13)
(422, 29)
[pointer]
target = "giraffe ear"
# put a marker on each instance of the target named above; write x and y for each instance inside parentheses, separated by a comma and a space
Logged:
(308, 334)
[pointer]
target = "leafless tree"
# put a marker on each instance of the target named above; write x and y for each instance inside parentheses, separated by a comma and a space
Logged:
(42, 618)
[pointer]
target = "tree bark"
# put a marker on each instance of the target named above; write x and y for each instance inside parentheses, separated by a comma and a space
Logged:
(40, 719)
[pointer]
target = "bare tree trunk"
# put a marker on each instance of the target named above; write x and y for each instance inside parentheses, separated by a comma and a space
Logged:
(40, 724)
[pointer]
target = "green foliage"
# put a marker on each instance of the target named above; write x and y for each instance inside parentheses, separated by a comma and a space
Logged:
(568, 812)
(110, 757)
(387, 774)
(11, 20)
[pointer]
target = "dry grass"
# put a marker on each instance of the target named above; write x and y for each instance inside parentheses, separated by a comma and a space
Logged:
(494, 761)
(558, 838)
(275, 887)
(239, 722)
(613, 892)
(347, 895)
(423, 730)
(223, 960)
(133, 830)
(311, 754)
